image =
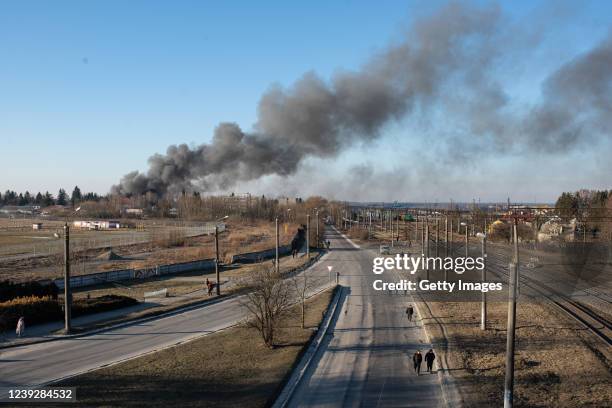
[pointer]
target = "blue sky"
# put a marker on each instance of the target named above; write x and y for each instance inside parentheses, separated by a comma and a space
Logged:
(89, 90)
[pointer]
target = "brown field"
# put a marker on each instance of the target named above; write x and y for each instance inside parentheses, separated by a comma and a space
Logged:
(160, 245)
(557, 362)
(232, 368)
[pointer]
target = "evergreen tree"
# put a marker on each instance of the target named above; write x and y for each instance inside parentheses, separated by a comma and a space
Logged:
(61, 197)
(48, 199)
(76, 196)
(39, 199)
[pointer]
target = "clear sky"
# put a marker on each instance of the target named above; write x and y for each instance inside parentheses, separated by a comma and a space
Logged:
(90, 89)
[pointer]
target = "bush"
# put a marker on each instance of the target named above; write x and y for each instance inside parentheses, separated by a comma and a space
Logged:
(37, 310)
(101, 304)
(10, 290)
(34, 309)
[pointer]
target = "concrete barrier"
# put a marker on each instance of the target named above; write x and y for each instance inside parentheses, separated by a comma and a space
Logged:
(145, 273)
(156, 293)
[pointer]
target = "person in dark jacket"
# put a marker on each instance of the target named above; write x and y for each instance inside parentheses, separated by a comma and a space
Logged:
(409, 312)
(417, 359)
(429, 359)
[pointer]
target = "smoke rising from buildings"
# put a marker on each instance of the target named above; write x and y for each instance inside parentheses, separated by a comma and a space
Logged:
(455, 48)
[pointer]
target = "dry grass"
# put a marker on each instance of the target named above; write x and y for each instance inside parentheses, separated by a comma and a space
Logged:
(555, 364)
(183, 283)
(240, 237)
(232, 368)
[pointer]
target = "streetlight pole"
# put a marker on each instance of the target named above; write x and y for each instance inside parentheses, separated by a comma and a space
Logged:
(512, 288)
(67, 294)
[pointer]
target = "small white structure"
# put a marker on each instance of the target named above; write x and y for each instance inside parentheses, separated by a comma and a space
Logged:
(97, 225)
(37, 226)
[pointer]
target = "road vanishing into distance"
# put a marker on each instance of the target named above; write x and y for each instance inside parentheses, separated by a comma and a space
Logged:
(367, 361)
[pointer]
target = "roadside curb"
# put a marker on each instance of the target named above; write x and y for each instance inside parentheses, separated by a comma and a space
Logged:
(204, 303)
(304, 364)
(444, 374)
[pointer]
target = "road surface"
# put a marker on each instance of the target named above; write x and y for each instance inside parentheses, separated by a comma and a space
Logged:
(42, 363)
(368, 359)
(367, 362)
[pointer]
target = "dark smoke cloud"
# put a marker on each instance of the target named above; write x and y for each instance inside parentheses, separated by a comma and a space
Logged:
(454, 48)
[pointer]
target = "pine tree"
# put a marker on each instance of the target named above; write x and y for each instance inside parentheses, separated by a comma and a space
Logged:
(61, 197)
(76, 196)
(48, 199)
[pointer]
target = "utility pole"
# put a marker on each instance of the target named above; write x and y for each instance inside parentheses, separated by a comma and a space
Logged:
(277, 242)
(512, 288)
(398, 220)
(437, 234)
(317, 216)
(307, 236)
(427, 248)
(446, 245)
(467, 254)
(218, 285)
(67, 294)
(483, 306)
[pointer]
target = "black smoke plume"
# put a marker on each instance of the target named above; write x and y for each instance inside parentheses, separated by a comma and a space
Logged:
(452, 49)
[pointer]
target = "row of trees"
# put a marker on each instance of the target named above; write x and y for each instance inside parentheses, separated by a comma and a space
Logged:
(47, 199)
(592, 209)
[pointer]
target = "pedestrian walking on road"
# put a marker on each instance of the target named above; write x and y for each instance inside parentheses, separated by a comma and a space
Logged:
(409, 312)
(417, 359)
(210, 287)
(429, 359)
(20, 327)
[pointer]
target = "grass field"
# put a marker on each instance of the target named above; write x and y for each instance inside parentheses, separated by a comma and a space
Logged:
(160, 245)
(232, 368)
(554, 364)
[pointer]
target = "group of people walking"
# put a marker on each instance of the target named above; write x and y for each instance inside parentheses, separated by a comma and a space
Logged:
(417, 358)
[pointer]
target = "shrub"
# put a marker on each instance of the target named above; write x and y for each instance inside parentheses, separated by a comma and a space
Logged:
(10, 290)
(101, 304)
(37, 310)
(34, 309)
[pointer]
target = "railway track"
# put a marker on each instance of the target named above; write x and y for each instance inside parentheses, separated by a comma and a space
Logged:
(593, 321)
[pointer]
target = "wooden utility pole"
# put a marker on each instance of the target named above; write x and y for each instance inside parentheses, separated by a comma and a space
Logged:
(307, 236)
(276, 263)
(218, 285)
(427, 248)
(67, 293)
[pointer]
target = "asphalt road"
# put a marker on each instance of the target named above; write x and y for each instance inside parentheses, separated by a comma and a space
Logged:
(367, 362)
(42, 363)
(368, 359)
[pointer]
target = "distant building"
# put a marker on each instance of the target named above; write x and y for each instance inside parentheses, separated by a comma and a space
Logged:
(139, 212)
(37, 226)
(20, 209)
(96, 225)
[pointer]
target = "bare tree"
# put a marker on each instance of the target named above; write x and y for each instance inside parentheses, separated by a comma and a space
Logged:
(302, 284)
(268, 301)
